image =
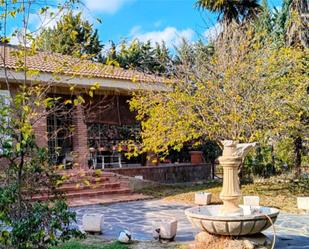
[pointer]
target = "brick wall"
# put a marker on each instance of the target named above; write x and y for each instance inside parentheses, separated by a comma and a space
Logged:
(40, 130)
(168, 174)
(80, 137)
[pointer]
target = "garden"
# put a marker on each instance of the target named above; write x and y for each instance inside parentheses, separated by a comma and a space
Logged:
(239, 96)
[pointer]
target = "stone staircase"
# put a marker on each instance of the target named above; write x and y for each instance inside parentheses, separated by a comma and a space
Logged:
(93, 187)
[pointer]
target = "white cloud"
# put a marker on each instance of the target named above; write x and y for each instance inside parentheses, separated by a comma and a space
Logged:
(213, 32)
(48, 19)
(107, 6)
(14, 40)
(170, 35)
(17, 37)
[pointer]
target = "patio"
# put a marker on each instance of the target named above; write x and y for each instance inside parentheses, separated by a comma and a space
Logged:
(292, 230)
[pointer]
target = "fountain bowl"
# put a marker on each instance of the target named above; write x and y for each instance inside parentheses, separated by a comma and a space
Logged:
(254, 220)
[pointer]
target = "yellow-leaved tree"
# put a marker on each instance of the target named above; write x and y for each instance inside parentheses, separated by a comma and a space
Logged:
(247, 89)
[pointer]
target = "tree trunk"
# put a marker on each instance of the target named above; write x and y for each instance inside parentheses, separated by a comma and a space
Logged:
(298, 155)
(297, 30)
(212, 170)
(19, 184)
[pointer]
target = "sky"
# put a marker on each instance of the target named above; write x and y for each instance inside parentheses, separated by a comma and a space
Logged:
(155, 20)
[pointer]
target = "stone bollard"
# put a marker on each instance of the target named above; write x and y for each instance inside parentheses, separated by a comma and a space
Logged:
(202, 198)
(303, 203)
(251, 200)
(165, 230)
(125, 237)
(92, 223)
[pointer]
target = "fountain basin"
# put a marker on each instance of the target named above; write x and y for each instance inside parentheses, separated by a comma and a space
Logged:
(254, 220)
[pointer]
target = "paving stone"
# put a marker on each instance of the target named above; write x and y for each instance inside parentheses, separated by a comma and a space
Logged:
(292, 230)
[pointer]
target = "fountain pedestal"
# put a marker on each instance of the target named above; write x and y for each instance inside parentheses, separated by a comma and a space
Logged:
(230, 194)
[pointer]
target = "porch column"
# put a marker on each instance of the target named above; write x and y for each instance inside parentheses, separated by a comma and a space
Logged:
(80, 138)
(40, 129)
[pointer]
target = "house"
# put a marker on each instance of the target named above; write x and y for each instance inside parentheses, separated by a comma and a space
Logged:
(100, 124)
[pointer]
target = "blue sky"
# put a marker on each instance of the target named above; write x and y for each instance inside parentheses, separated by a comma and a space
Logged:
(167, 20)
(153, 19)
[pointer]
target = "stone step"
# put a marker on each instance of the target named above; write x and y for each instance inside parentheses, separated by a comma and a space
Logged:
(83, 173)
(81, 186)
(106, 199)
(86, 193)
(89, 179)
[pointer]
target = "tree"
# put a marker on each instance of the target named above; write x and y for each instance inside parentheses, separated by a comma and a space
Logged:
(26, 223)
(245, 91)
(297, 28)
(25, 171)
(280, 19)
(229, 11)
(264, 23)
(141, 56)
(72, 36)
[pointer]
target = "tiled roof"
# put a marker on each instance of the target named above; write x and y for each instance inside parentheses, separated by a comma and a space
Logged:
(68, 65)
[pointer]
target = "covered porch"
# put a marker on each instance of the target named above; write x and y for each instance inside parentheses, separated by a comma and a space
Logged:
(92, 135)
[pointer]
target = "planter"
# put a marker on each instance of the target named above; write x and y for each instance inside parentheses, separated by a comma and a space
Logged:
(202, 198)
(303, 203)
(152, 159)
(251, 200)
(196, 157)
(166, 229)
(92, 223)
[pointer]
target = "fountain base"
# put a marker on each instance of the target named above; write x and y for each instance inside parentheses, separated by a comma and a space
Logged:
(253, 220)
(206, 240)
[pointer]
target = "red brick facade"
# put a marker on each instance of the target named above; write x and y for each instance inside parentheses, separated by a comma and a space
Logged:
(40, 131)
(80, 137)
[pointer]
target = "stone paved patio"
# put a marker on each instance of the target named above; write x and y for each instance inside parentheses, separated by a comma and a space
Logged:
(138, 217)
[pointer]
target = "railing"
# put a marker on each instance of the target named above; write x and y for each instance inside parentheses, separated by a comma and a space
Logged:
(101, 161)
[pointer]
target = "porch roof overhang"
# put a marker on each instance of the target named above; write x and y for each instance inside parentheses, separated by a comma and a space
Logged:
(56, 69)
(127, 86)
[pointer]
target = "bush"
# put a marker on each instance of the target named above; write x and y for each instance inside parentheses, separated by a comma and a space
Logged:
(25, 223)
(300, 185)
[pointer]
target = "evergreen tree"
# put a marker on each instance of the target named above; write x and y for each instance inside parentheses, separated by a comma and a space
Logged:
(264, 22)
(141, 56)
(280, 20)
(72, 36)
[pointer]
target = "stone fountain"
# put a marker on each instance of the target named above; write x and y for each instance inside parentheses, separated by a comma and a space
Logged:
(231, 218)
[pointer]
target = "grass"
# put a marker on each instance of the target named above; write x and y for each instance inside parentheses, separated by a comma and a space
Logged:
(89, 244)
(274, 192)
(98, 242)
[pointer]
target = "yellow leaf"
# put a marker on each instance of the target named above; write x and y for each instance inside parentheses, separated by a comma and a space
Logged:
(75, 102)
(18, 147)
(68, 101)
(87, 183)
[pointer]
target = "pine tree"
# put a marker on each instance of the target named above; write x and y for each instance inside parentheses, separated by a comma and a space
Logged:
(141, 56)
(72, 36)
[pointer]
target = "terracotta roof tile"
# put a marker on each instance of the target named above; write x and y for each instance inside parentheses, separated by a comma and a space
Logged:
(68, 65)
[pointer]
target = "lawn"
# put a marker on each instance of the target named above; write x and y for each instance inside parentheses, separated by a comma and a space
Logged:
(98, 242)
(91, 245)
(280, 192)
